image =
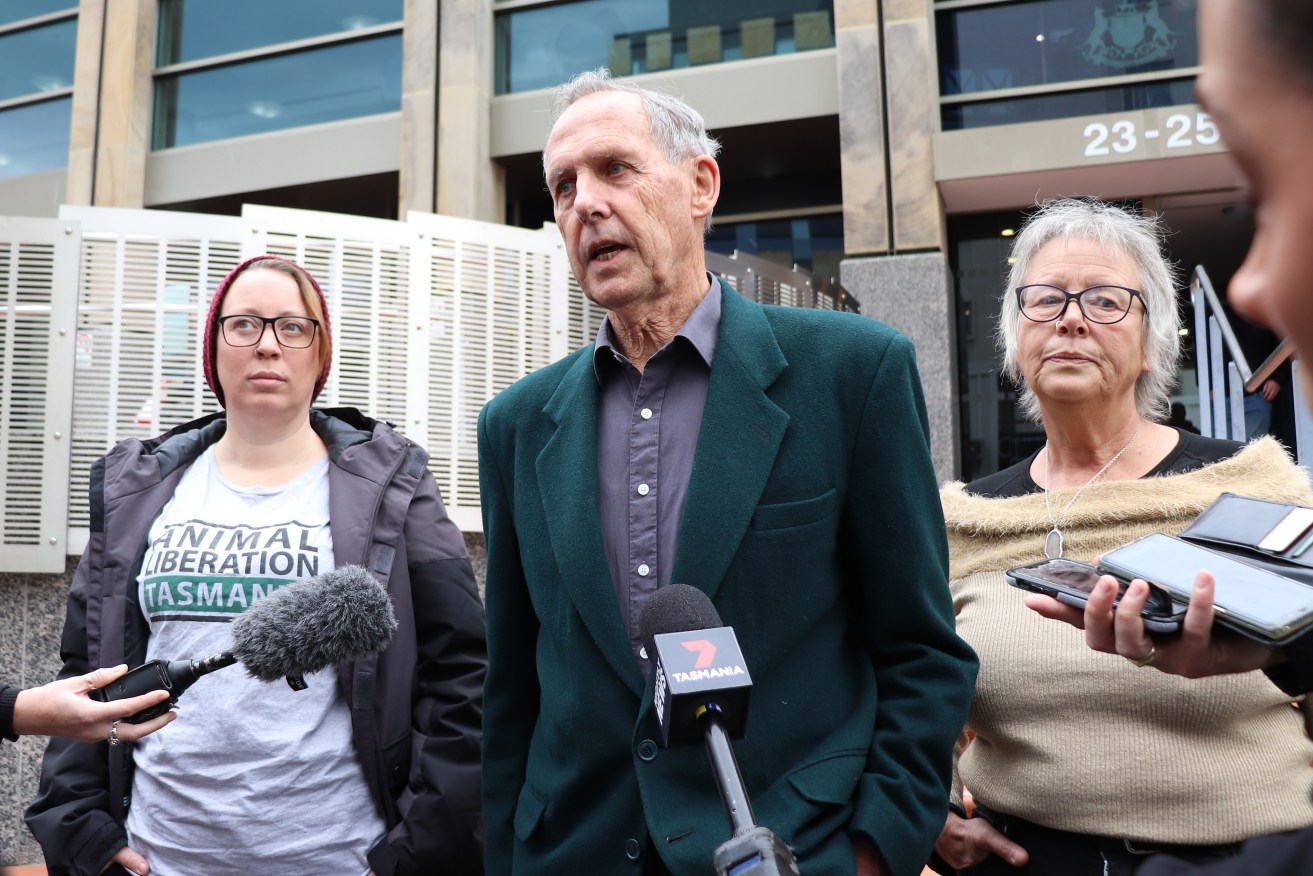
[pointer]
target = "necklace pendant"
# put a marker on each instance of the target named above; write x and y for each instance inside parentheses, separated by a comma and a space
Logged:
(1053, 544)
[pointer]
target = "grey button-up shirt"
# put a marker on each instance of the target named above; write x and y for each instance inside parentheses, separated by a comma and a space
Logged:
(647, 432)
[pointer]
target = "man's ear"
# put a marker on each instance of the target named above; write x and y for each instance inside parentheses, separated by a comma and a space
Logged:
(706, 186)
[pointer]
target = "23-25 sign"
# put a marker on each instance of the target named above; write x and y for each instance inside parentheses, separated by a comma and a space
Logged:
(1121, 136)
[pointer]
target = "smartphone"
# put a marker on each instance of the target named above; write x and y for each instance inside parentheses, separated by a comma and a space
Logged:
(1260, 604)
(1071, 582)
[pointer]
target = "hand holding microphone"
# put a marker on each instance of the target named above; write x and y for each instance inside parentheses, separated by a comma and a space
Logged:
(700, 691)
(65, 708)
(299, 629)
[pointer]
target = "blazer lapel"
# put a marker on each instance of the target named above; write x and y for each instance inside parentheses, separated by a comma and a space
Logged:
(567, 478)
(737, 444)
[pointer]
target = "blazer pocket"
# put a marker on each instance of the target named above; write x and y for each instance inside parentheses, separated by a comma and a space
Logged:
(831, 779)
(529, 811)
(785, 515)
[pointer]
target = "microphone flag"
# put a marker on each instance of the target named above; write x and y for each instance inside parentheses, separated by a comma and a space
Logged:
(699, 670)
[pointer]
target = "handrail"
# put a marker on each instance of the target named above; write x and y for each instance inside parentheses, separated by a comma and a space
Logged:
(1199, 280)
(1278, 358)
(1252, 379)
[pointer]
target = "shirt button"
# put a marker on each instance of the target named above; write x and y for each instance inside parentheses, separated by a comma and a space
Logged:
(645, 413)
(632, 849)
(643, 569)
(643, 489)
(647, 750)
(642, 653)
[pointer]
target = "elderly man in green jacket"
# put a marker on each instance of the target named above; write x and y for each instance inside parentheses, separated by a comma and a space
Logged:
(776, 459)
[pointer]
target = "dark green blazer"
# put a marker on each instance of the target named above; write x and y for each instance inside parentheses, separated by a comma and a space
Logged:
(813, 522)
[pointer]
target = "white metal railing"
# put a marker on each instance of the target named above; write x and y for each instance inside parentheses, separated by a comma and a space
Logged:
(1226, 375)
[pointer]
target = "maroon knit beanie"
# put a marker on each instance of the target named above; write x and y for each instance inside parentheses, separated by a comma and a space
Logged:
(212, 326)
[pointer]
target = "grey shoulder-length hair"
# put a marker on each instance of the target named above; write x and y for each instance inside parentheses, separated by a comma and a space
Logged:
(1136, 236)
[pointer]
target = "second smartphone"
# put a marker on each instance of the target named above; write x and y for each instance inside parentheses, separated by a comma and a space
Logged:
(1071, 582)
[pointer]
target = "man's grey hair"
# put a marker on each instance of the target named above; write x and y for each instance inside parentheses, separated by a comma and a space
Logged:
(676, 127)
(1136, 236)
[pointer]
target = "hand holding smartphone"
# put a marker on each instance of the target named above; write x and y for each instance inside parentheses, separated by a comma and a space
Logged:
(1258, 603)
(1071, 583)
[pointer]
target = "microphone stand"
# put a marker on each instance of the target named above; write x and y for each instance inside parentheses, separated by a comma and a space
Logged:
(753, 850)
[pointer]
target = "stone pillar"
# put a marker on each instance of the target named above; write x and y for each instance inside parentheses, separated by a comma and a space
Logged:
(86, 103)
(419, 109)
(125, 86)
(913, 294)
(470, 184)
(861, 127)
(893, 215)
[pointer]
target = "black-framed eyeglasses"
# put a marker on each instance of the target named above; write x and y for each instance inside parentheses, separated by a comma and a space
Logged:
(1041, 302)
(246, 329)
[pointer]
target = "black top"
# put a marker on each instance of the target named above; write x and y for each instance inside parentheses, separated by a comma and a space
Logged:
(1191, 452)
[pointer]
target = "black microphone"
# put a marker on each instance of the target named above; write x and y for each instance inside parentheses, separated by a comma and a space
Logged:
(299, 629)
(700, 689)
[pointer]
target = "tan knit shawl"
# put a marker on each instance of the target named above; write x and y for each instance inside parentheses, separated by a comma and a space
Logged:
(1082, 741)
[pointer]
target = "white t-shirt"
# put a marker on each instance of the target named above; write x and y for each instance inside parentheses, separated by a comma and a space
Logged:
(251, 777)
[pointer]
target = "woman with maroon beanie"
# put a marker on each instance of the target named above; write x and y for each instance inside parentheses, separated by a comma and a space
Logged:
(374, 768)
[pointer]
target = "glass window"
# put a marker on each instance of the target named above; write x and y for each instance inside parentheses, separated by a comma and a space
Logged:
(326, 84)
(38, 60)
(813, 243)
(193, 29)
(543, 46)
(20, 10)
(1050, 41)
(34, 138)
(1067, 104)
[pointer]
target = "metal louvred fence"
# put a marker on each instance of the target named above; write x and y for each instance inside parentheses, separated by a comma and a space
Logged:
(101, 314)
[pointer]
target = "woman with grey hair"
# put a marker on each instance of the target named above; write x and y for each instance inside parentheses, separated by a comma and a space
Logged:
(1089, 330)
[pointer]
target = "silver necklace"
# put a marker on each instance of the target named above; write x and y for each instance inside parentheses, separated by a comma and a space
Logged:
(1053, 543)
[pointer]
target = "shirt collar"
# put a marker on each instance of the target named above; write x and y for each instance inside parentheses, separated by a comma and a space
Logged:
(699, 330)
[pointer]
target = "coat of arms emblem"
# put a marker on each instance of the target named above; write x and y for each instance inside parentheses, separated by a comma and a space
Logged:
(1133, 35)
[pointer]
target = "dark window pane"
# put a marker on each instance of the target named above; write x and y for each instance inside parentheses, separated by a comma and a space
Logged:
(543, 46)
(193, 29)
(270, 94)
(18, 10)
(34, 138)
(813, 243)
(1067, 104)
(38, 60)
(1048, 41)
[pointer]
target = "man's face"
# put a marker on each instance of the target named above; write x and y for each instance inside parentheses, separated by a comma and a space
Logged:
(632, 221)
(1267, 123)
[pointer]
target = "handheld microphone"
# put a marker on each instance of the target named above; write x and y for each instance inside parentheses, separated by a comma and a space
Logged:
(700, 689)
(299, 629)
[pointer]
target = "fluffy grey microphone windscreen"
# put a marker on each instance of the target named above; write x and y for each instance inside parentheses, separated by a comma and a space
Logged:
(313, 624)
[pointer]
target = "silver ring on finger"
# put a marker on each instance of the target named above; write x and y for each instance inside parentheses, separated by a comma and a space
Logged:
(1147, 658)
(114, 733)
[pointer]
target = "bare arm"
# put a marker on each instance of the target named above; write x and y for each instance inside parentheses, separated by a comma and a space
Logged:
(62, 708)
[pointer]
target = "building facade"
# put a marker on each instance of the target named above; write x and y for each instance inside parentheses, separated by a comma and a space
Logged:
(891, 143)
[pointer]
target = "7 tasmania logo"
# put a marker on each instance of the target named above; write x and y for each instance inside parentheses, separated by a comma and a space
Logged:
(706, 652)
(704, 667)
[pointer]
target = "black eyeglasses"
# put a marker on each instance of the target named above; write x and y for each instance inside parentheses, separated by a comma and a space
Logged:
(1101, 304)
(246, 329)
